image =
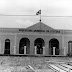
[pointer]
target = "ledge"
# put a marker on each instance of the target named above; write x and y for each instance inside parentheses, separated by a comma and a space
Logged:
(27, 55)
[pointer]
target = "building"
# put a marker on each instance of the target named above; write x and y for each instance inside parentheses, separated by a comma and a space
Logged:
(38, 39)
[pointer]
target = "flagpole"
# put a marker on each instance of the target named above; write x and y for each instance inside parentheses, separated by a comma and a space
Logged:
(39, 13)
(40, 21)
(40, 17)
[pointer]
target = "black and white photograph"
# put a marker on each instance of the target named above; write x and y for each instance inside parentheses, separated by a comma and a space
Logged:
(35, 35)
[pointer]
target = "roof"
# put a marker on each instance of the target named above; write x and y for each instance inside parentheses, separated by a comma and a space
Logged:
(39, 26)
(35, 28)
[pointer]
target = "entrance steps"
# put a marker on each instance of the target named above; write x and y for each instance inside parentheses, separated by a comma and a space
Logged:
(60, 67)
(66, 66)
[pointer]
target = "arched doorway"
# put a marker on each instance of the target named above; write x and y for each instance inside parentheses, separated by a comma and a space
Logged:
(39, 43)
(70, 48)
(54, 43)
(24, 46)
(7, 46)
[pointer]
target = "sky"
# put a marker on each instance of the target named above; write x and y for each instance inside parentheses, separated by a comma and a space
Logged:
(30, 7)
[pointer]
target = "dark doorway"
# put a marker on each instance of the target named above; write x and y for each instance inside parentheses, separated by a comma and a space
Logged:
(39, 43)
(24, 42)
(70, 48)
(54, 43)
(7, 46)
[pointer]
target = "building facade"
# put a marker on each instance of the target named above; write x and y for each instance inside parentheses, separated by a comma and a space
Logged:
(38, 39)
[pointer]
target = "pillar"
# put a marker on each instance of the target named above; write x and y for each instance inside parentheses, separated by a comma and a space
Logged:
(32, 47)
(14, 49)
(64, 51)
(15, 44)
(43, 50)
(69, 70)
(53, 50)
(35, 49)
(24, 49)
(0, 47)
(62, 45)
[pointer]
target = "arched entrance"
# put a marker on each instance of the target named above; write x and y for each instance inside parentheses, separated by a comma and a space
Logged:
(39, 43)
(54, 47)
(24, 46)
(7, 46)
(70, 48)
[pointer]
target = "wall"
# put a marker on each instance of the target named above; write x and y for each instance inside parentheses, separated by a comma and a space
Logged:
(16, 37)
(67, 38)
(3, 37)
(45, 37)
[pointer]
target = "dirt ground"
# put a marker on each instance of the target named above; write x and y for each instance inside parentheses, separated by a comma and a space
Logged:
(29, 64)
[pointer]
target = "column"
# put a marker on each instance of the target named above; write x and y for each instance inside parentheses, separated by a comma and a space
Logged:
(35, 49)
(53, 50)
(69, 48)
(0, 47)
(64, 51)
(24, 49)
(32, 47)
(63, 44)
(15, 44)
(14, 49)
(43, 50)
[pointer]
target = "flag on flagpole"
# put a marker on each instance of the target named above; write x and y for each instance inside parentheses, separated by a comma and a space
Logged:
(39, 12)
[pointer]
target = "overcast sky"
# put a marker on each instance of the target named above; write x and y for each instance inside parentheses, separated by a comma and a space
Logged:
(30, 7)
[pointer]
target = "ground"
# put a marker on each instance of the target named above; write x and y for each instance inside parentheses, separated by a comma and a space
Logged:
(29, 64)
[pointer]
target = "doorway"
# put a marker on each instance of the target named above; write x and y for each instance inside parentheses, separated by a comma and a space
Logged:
(39, 43)
(54, 43)
(7, 46)
(24, 42)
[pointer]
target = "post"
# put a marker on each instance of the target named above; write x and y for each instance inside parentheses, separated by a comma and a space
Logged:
(69, 70)
(14, 49)
(40, 19)
(54, 50)
(43, 50)
(35, 49)
(24, 49)
(15, 44)
(0, 47)
(64, 51)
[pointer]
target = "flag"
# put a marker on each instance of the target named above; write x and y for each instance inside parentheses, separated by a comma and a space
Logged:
(39, 12)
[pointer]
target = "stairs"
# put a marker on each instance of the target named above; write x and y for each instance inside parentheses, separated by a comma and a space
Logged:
(60, 67)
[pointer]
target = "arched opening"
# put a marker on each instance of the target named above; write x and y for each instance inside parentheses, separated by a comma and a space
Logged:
(54, 47)
(70, 48)
(7, 46)
(39, 43)
(24, 46)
